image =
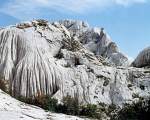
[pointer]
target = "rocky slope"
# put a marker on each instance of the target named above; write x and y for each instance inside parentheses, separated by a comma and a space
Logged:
(11, 109)
(68, 58)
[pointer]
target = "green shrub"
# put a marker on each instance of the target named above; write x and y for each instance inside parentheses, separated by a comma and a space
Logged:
(43, 101)
(42, 22)
(91, 111)
(136, 111)
(4, 85)
(70, 105)
(51, 104)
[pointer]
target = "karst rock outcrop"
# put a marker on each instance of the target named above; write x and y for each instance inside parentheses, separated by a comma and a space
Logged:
(143, 59)
(68, 58)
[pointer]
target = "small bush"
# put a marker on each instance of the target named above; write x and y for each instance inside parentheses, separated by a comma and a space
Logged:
(90, 110)
(4, 85)
(51, 104)
(136, 111)
(42, 22)
(43, 101)
(70, 105)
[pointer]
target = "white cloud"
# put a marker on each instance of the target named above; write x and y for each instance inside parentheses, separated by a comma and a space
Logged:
(23, 9)
(128, 2)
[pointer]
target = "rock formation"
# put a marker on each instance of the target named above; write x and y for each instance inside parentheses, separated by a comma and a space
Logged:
(68, 58)
(97, 41)
(143, 59)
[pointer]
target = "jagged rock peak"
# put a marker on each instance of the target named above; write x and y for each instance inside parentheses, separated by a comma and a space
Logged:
(97, 41)
(143, 59)
(76, 24)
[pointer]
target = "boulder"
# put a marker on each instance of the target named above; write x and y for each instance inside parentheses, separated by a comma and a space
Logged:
(143, 59)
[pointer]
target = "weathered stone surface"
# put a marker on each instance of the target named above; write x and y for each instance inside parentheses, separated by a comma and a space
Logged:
(143, 59)
(11, 109)
(97, 41)
(26, 57)
(73, 59)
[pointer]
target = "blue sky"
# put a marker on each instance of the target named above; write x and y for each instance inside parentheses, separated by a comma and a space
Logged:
(126, 21)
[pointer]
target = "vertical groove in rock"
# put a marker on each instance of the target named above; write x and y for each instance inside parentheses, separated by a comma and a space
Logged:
(51, 59)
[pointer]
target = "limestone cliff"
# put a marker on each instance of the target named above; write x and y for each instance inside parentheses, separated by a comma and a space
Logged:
(68, 57)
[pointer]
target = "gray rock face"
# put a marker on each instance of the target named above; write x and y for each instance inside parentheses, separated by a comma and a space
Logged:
(143, 59)
(57, 59)
(97, 41)
(26, 56)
